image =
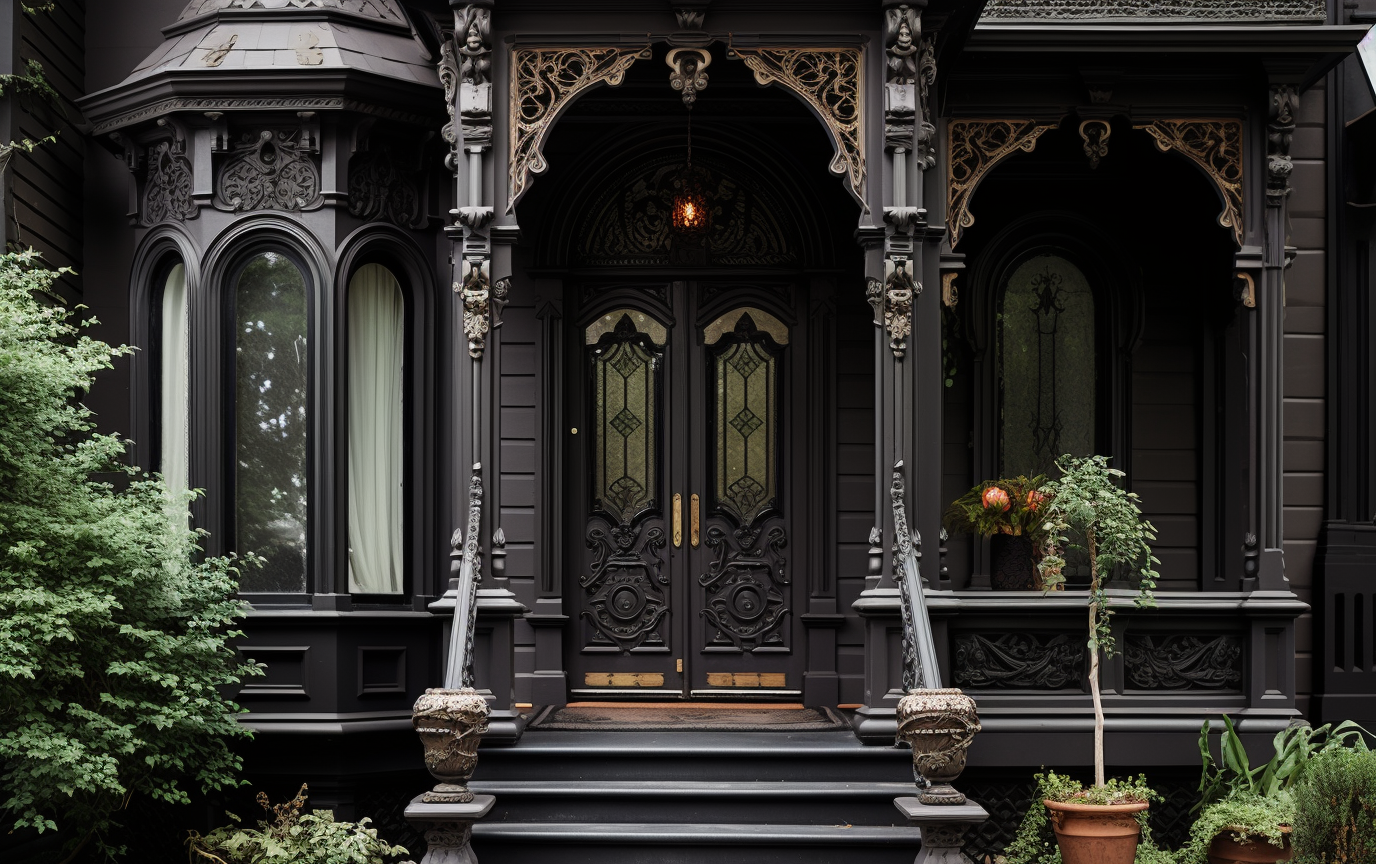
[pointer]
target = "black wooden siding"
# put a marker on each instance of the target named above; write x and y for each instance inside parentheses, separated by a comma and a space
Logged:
(854, 462)
(519, 460)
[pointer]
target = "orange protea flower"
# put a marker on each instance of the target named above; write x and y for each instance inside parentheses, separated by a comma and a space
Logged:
(996, 497)
(1035, 500)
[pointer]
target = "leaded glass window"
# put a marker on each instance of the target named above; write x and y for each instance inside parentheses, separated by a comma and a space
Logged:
(745, 423)
(1048, 373)
(625, 368)
(271, 370)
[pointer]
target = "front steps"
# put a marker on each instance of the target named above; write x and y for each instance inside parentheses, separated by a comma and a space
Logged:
(694, 798)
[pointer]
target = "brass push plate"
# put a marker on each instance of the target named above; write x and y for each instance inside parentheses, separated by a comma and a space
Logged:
(693, 523)
(678, 520)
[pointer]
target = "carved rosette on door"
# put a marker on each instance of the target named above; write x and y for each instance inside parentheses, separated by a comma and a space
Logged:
(626, 584)
(746, 582)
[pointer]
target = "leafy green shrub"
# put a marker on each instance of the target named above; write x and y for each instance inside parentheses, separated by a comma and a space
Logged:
(1335, 812)
(287, 837)
(112, 633)
(1035, 842)
(1250, 817)
(1293, 749)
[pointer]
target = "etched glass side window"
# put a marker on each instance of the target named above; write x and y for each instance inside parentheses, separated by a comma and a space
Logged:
(271, 367)
(1048, 373)
(745, 422)
(625, 367)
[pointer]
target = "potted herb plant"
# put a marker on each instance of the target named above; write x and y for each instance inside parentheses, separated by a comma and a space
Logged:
(1011, 514)
(1102, 824)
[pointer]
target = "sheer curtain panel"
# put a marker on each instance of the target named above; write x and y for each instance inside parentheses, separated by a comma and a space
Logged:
(173, 388)
(376, 342)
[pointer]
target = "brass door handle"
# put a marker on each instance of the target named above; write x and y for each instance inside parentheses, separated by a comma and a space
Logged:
(693, 524)
(678, 520)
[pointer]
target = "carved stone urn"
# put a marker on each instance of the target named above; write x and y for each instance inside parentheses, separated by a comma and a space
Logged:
(939, 724)
(451, 724)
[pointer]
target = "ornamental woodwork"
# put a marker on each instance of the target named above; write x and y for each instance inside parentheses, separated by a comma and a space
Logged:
(689, 72)
(382, 187)
(1216, 147)
(974, 147)
(483, 302)
(167, 186)
(892, 300)
(543, 82)
(1183, 662)
(829, 80)
(272, 170)
(1019, 661)
(1280, 129)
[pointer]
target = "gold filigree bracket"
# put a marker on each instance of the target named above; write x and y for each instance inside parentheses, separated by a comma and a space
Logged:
(973, 148)
(831, 82)
(1216, 147)
(544, 81)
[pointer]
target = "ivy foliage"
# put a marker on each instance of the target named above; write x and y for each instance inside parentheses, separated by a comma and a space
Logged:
(288, 837)
(113, 631)
(1248, 817)
(1335, 808)
(1035, 842)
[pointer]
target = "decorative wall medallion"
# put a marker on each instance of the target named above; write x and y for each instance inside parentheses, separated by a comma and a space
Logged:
(269, 171)
(382, 186)
(892, 300)
(1019, 661)
(829, 80)
(1183, 662)
(1280, 129)
(483, 302)
(1157, 10)
(543, 82)
(974, 147)
(1216, 147)
(629, 223)
(167, 186)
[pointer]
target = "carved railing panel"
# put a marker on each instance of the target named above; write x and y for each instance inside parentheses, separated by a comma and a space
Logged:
(1019, 661)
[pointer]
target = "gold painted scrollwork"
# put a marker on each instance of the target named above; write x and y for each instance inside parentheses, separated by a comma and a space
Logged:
(1216, 147)
(830, 80)
(974, 147)
(543, 82)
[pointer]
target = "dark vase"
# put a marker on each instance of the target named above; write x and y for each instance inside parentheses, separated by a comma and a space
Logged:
(1011, 567)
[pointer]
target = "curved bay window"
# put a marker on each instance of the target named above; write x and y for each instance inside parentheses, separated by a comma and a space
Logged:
(271, 412)
(376, 347)
(1047, 367)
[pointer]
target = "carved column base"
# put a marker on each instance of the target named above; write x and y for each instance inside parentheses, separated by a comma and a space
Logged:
(448, 827)
(943, 828)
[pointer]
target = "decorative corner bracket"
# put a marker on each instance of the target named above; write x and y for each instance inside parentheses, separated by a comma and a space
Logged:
(830, 81)
(893, 300)
(543, 83)
(950, 296)
(483, 302)
(974, 147)
(1247, 289)
(1216, 147)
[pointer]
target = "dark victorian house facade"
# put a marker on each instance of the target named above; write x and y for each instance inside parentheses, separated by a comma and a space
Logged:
(389, 264)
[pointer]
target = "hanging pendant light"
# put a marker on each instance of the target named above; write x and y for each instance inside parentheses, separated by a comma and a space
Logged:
(692, 214)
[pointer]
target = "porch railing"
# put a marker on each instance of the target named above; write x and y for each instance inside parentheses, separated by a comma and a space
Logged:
(467, 561)
(920, 667)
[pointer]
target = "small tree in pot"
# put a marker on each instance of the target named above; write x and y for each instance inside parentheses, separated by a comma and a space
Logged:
(1088, 501)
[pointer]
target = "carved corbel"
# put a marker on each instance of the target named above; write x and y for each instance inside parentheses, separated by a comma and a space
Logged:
(1095, 134)
(1280, 129)
(474, 218)
(483, 302)
(950, 296)
(219, 131)
(689, 72)
(893, 301)
(308, 138)
(902, 37)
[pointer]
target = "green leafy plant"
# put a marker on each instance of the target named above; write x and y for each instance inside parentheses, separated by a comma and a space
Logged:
(1335, 808)
(1015, 506)
(1035, 842)
(113, 631)
(1232, 777)
(1248, 817)
(1087, 499)
(288, 837)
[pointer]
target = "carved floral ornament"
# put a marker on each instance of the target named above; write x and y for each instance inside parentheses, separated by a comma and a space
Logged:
(544, 81)
(483, 301)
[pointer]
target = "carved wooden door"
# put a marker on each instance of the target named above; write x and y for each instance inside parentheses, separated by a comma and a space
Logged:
(683, 582)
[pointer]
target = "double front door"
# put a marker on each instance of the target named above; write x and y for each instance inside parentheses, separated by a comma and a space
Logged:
(685, 506)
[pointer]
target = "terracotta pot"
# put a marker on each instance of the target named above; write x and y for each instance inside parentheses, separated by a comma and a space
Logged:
(939, 725)
(451, 724)
(1010, 563)
(1226, 850)
(1096, 833)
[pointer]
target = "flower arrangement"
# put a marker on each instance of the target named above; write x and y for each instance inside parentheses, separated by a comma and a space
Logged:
(1016, 507)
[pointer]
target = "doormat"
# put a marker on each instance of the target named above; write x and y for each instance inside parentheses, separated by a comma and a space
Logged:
(686, 718)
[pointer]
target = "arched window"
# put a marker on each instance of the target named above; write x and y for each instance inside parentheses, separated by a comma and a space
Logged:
(376, 337)
(271, 399)
(1047, 367)
(173, 384)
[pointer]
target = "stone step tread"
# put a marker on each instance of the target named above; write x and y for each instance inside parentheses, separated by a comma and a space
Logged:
(690, 788)
(697, 834)
(536, 744)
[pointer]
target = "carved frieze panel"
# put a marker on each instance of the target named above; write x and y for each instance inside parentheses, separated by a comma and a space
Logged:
(1019, 661)
(1156, 10)
(974, 147)
(830, 81)
(1216, 147)
(543, 82)
(167, 186)
(1183, 662)
(383, 187)
(629, 223)
(269, 170)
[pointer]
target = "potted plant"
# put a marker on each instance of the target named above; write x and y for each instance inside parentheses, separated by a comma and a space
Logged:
(1335, 808)
(1087, 500)
(1037, 839)
(1011, 514)
(288, 837)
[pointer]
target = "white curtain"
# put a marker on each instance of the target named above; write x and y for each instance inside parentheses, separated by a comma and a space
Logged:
(174, 410)
(376, 342)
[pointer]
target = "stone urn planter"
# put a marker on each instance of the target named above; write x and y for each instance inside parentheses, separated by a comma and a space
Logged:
(939, 724)
(1225, 849)
(451, 724)
(1096, 833)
